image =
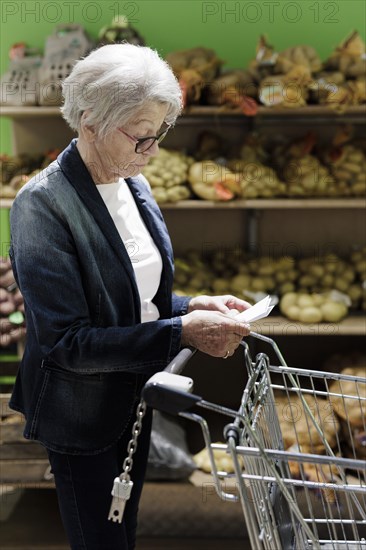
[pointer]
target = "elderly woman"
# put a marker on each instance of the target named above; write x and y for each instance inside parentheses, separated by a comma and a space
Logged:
(93, 259)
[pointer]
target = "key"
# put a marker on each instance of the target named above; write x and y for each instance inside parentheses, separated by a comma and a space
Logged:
(121, 492)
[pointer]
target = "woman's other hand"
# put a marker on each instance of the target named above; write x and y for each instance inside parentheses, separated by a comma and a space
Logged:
(224, 304)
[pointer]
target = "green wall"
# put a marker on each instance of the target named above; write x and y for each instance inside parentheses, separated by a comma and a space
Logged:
(231, 28)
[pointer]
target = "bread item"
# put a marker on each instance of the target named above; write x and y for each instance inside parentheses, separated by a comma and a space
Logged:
(349, 56)
(297, 427)
(303, 55)
(212, 181)
(194, 67)
(234, 89)
(223, 461)
(350, 401)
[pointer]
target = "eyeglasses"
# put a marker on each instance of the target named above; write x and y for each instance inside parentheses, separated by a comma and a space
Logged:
(145, 143)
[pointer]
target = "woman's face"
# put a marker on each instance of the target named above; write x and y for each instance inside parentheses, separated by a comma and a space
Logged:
(115, 154)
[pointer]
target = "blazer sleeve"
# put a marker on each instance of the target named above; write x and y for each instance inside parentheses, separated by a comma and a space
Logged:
(47, 269)
(180, 304)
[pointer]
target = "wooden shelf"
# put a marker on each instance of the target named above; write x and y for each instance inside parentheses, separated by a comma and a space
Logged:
(280, 326)
(257, 204)
(22, 112)
(6, 203)
(269, 204)
(312, 110)
(203, 110)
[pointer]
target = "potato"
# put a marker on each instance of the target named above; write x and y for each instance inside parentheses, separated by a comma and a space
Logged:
(220, 286)
(328, 281)
(310, 315)
(307, 280)
(361, 266)
(354, 292)
(269, 283)
(266, 269)
(333, 312)
(348, 274)
(318, 299)
(285, 288)
(341, 285)
(240, 283)
(281, 276)
(159, 194)
(316, 270)
(293, 312)
(258, 284)
(330, 263)
(304, 301)
(285, 263)
(288, 300)
(292, 275)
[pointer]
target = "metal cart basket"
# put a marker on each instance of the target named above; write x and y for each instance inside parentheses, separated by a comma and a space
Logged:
(309, 496)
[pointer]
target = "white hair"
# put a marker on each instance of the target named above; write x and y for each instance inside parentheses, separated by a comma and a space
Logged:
(113, 81)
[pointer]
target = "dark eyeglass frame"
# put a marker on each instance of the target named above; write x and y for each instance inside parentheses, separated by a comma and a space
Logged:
(140, 141)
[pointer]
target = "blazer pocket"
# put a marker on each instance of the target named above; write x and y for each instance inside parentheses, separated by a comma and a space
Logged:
(81, 414)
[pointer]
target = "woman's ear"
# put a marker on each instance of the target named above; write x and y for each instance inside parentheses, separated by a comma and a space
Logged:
(87, 130)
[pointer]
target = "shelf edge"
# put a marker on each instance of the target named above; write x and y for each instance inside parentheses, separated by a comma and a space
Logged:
(280, 326)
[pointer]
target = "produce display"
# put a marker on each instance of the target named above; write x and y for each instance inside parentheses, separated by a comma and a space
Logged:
(296, 428)
(296, 76)
(330, 272)
(311, 290)
(306, 176)
(264, 274)
(299, 167)
(257, 180)
(300, 435)
(120, 30)
(347, 165)
(260, 166)
(349, 57)
(212, 181)
(236, 89)
(16, 171)
(351, 412)
(12, 326)
(291, 78)
(358, 259)
(194, 67)
(313, 308)
(167, 174)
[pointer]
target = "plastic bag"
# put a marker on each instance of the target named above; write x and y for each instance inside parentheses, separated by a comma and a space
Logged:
(19, 85)
(169, 457)
(67, 44)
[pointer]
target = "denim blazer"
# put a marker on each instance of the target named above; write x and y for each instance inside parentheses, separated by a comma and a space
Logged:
(87, 352)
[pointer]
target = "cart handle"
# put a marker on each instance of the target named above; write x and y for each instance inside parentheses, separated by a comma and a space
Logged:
(157, 393)
(168, 400)
(177, 364)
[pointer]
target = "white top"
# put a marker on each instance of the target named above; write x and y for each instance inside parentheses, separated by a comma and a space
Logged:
(144, 255)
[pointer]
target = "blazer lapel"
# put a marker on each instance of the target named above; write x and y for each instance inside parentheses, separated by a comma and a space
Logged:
(77, 174)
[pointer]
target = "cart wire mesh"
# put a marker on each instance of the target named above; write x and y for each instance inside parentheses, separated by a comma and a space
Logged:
(298, 447)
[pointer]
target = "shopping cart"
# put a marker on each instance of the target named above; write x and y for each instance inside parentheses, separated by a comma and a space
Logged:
(290, 499)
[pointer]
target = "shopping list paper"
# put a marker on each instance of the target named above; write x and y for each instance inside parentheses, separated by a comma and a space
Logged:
(258, 311)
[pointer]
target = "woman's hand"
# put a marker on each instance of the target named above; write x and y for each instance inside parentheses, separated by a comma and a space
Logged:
(213, 332)
(224, 304)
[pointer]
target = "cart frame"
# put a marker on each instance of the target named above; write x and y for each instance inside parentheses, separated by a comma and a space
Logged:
(281, 509)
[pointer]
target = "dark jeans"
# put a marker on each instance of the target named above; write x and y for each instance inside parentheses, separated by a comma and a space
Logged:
(84, 485)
